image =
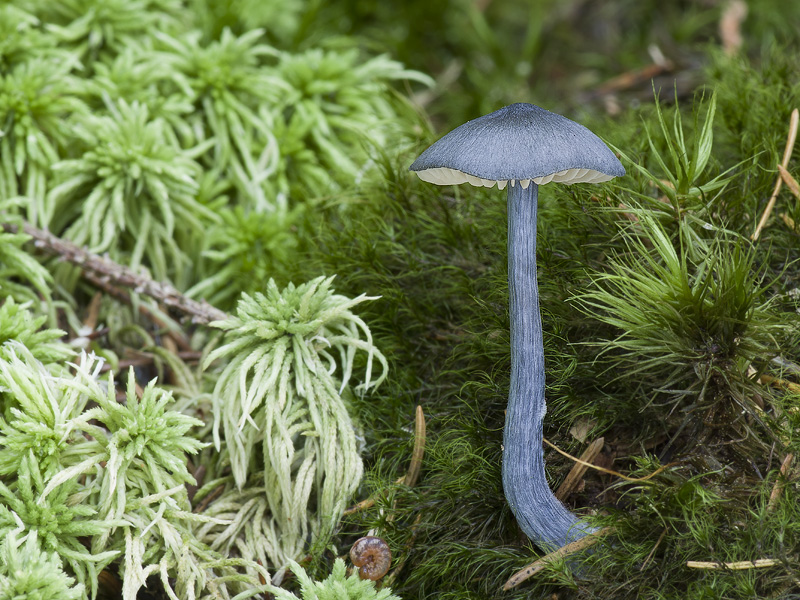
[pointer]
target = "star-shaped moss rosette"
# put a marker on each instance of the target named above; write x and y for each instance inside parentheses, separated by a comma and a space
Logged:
(279, 397)
(21, 275)
(57, 515)
(36, 97)
(132, 191)
(144, 442)
(17, 324)
(337, 586)
(38, 417)
(26, 571)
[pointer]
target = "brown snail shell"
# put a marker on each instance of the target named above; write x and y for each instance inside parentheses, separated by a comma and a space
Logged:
(372, 556)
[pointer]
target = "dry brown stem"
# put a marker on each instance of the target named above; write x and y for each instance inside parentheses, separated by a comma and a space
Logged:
(790, 181)
(419, 449)
(102, 269)
(787, 154)
(633, 78)
(209, 499)
(741, 565)
(730, 26)
(603, 469)
(579, 468)
(539, 564)
(784, 476)
(781, 383)
(789, 222)
(145, 310)
(414, 468)
(653, 551)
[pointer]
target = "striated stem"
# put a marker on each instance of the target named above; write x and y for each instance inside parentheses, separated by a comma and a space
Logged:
(540, 515)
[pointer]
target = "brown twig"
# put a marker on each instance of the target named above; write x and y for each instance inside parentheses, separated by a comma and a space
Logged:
(730, 26)
(209, 499)
(419, 449)
(794, 120)
(199, 474)
(410, 478)
(409, 545)
(445, 80)
(781, 383)
(783, 477)
(104, 269)
(579, 468)
(145, 359)
(147, 311)
(630, 79)
(741, 565)
(653, 551)
(94, 311)
(538, 565)
(790, 181)
(603, 469)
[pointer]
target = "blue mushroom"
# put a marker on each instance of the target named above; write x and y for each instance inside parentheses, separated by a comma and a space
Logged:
(522, 147)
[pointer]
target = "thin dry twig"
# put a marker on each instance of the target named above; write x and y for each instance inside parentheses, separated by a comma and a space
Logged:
(790, 181)
(661, 64)
(633, 78)
(209, 499)
(419, 449)
(445, 80)
(539, 564)
(741, 565)
(794, 120)
(784, 476)
(730, 26)
(149, 312)
(369, 502)
(410, 478)
(781, 383)
(579, 468)
(653, 551)
(106, 270)
(609, 471)
(94, 311)
(409, 545)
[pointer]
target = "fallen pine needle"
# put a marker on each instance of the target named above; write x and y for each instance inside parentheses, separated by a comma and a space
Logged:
(603, 469)
(389, 580)
(419, 449)
(741, 565)
(781, 383)
(538, 565)
(730, 26)
(413, 470)
(787, 153)
(790, 181)
(777, 489)
(579, 468)
(653, 551)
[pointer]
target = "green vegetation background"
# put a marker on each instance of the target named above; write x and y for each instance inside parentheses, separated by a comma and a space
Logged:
(660, 313)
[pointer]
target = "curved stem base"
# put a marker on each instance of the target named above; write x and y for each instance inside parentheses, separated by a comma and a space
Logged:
(540, 515)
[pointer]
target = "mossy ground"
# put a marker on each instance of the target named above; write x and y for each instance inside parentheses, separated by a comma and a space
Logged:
(437, 257)
(691, 399)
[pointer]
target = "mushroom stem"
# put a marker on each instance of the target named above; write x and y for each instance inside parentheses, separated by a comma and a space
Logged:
(540, 515)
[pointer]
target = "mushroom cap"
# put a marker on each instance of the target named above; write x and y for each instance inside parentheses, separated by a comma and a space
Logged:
(520, 142)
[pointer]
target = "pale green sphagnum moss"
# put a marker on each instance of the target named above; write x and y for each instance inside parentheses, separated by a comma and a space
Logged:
(278, 397)
(338, 586)
(27, 572)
